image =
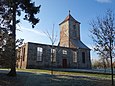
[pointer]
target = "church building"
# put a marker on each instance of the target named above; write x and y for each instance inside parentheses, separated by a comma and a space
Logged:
(71, 52)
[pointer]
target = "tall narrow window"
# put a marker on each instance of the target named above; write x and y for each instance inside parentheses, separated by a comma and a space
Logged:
(18, 55)
(53, 55)
(23, 57)
(39, 53)
(83, 57)
(74, 29)
(74, 26)
(74, 56)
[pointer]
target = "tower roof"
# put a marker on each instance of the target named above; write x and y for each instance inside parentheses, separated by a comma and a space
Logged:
(68, 18)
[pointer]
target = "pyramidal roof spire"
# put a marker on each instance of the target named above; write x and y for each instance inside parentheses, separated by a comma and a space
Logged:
(69, 12)
(68, 18)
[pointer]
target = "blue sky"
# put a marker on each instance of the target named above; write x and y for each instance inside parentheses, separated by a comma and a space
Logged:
(55, 11)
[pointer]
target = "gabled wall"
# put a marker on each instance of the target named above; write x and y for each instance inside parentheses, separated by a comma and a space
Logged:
(22, 56)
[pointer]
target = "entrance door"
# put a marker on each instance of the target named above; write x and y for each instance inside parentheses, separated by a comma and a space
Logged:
(64, 63)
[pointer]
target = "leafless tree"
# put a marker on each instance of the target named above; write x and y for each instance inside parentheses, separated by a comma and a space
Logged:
(103, 35)
(53, 38)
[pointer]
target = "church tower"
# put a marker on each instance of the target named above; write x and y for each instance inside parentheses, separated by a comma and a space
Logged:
(70, 33)
(70, 37)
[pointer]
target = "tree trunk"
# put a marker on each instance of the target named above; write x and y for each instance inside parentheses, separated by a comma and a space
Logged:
(110, 53)
(104, 64)
(13, 57)
(13, 70)
(108, 64)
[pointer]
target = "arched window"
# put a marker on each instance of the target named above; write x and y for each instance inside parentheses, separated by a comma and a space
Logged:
(74, 56)
(53, 55)
(39, 53)
(74, 31)
(23, 51)
(83, 57)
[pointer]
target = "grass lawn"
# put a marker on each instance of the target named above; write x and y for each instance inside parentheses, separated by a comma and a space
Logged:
(38, 77)
(96, 75)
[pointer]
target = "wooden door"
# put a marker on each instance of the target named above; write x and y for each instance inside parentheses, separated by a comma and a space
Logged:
(64, 63)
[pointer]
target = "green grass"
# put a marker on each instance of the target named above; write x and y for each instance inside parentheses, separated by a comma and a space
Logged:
(42, 77)
(34, 70)
(97, 75)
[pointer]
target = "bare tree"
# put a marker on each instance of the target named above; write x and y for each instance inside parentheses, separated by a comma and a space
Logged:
(103, 35)
(100, 63)
(53, 38)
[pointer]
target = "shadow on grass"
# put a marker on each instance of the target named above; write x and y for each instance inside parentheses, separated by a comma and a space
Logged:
(13, 81)
(42, 79)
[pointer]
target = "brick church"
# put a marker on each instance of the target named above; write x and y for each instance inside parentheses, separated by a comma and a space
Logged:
(71, 52)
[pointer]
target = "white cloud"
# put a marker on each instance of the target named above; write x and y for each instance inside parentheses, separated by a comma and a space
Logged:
(38, 32)
(35, 31)
(104, 1)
